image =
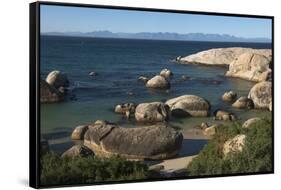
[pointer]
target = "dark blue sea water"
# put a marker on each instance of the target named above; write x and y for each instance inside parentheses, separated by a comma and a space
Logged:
(119, 63)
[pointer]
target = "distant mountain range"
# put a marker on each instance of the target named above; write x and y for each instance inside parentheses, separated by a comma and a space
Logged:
(161, 36)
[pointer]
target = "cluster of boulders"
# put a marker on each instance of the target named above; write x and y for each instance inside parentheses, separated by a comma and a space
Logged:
(54, 88)
(159, 81)
(106, 139)
(247, 63)
(259, 97)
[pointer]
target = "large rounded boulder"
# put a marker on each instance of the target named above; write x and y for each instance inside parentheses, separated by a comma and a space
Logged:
(151, 142)
(158, 82)
(251, 66)
(49, 94)
(261, 95)
(152, 112)
(57, 79)
(189, 105)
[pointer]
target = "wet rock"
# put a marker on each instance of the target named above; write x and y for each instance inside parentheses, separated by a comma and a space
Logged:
(49, 94)
(224, 115)
(158, 82)
(166, 73)
(57, 79)
(92, 73)
(184, 77)
(229, 96)
(152, 112)
(243, 102)
(189, 105)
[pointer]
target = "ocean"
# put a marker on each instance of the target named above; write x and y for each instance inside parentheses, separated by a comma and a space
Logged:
(118, 64)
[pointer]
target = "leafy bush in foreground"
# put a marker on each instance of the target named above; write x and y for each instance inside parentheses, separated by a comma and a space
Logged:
(256, 155)
(57, 171)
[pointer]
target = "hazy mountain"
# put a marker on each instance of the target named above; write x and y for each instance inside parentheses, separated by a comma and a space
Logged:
(161, 36)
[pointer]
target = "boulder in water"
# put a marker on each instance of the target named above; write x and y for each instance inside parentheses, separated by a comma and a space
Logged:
(158, 82)
(152, 112)
(189, 105)
(57, 79)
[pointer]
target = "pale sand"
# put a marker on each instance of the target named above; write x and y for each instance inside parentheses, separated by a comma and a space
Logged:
(192, 144)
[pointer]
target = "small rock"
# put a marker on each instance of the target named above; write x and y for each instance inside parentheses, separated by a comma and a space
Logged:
(204, 125)
(211, 131)
(234, 145)
(126, 109)
(184, 77)
(243, 102)
(77, 151)
(57, 79)
(92, 73)
(224, 115)
(166, 73)
(250, 122)
(229, 96)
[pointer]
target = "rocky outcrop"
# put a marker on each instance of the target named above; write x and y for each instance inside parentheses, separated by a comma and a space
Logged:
(189, 105)
(166, 73)
(49, 94)
(57, 79)
(234, 145)
(221, 56)
(77, 151)
(151, 142)
(251, 66)
(250, 122)
(229, 96)
(243, 102)
(79, 132)
(261, 95)
(152, 112)
(224, 115)
(158, 82)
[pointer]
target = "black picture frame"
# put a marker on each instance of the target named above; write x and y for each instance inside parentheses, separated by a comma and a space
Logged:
(34, 90)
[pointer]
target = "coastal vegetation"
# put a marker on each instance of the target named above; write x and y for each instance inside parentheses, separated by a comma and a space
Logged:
(57, 170)
(256, 154)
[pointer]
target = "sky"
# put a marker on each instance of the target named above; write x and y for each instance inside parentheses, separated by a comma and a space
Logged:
(80, 19)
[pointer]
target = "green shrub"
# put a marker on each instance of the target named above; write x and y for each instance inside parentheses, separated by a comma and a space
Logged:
(256, 155)
(58, 171)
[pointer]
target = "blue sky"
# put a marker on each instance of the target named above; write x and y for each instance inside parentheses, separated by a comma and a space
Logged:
(78, 19)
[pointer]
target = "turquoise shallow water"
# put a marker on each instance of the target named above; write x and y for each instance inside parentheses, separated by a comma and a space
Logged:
(119, 63)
